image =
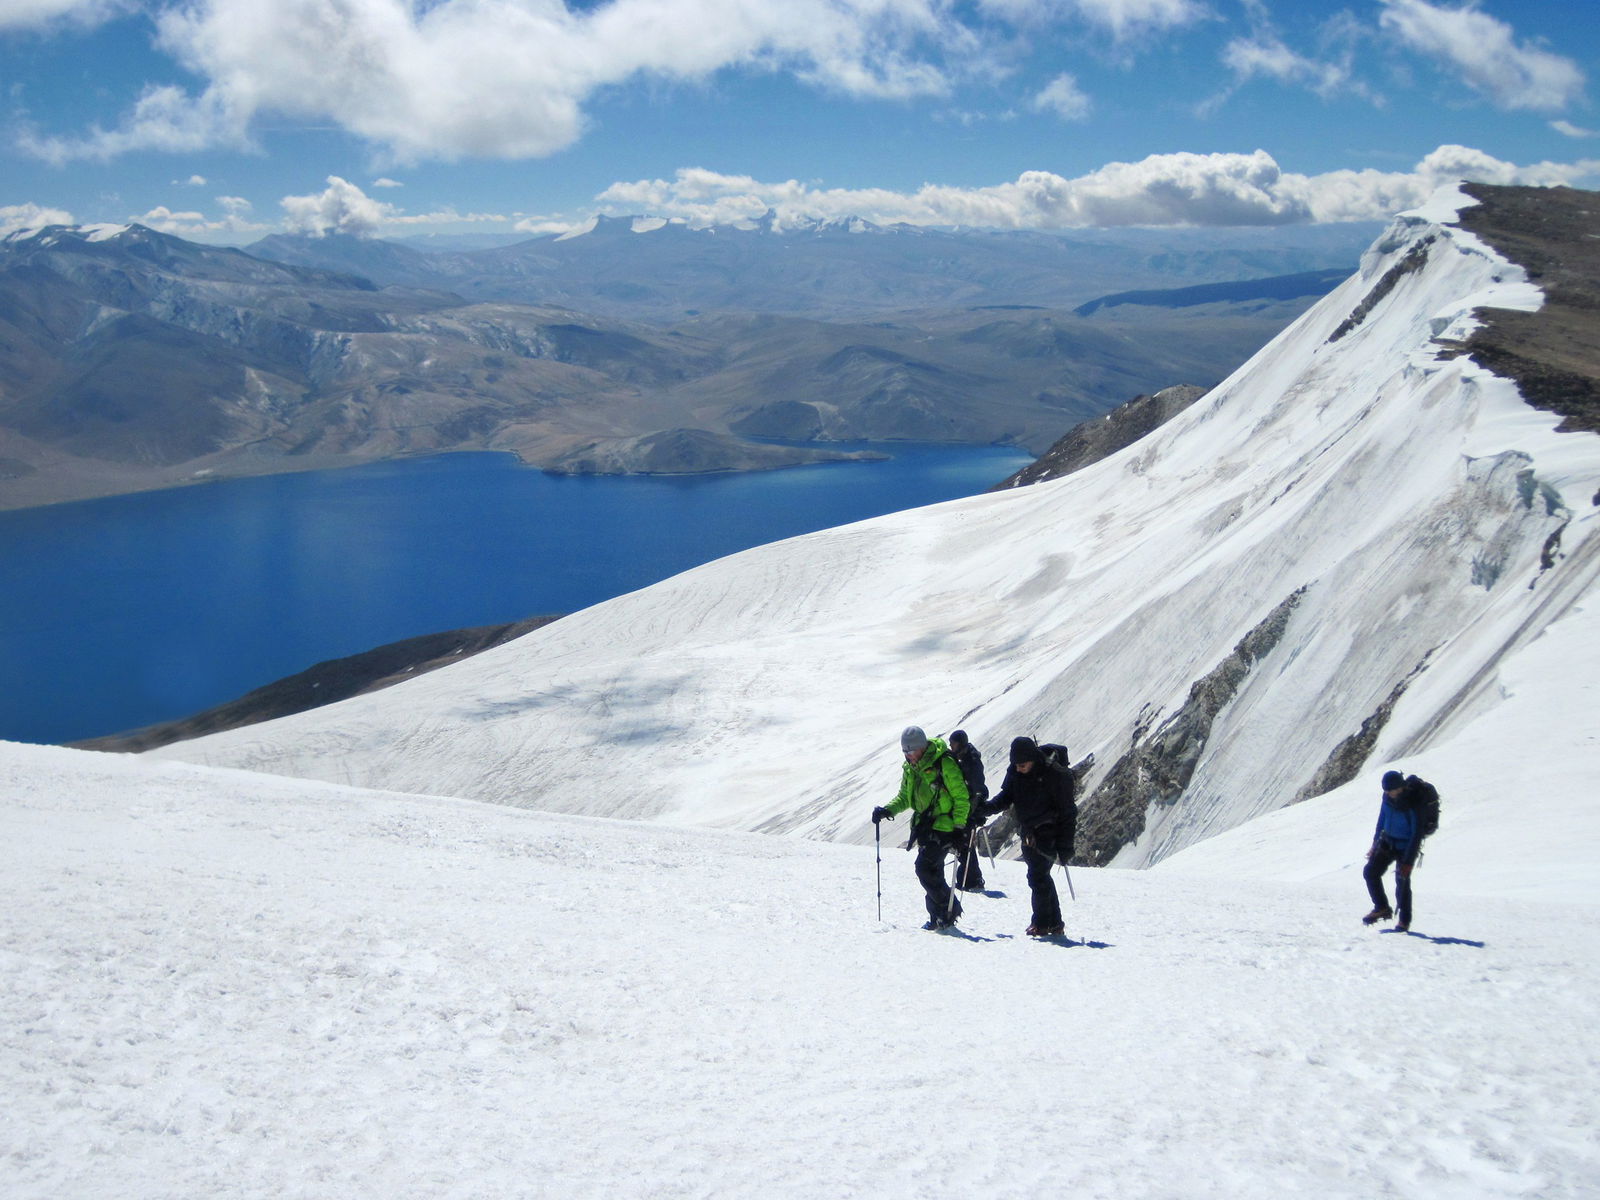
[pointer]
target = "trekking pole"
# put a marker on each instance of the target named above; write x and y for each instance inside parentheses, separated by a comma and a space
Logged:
(877, 841)
(950, 905)
(1070, 891)
(988, 847)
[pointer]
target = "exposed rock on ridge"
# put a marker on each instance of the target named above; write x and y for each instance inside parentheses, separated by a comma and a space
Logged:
(1553, 354)
(1157, 767)
(1101, 437)
(325, 683)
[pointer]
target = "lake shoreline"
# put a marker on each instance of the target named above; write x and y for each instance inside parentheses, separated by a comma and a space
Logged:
(77, 481)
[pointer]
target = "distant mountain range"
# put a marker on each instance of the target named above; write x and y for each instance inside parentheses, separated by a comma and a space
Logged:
(130, 359)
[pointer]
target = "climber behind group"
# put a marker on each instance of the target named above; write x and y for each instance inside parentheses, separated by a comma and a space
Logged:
(969, 869)
(931, 785)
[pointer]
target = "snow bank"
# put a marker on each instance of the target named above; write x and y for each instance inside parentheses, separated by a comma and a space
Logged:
(217, 983)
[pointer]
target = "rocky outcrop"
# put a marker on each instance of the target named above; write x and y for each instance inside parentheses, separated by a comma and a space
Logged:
(1160, 760)
(1347, 759)
(1553, 354)
(325, 683)
(1415, 259)
(1101, 437)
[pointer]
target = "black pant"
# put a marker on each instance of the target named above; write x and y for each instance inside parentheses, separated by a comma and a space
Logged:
(932, 850)
(1041, 851)
(1383, 854)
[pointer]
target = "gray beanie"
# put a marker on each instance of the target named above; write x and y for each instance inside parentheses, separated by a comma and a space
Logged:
(912, 738)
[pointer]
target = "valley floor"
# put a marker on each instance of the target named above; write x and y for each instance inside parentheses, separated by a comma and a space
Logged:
(222, 984)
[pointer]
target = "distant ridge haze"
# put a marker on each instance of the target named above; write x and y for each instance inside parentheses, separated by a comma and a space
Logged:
(130, 359)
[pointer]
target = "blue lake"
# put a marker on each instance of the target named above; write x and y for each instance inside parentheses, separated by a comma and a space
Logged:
(128, 611)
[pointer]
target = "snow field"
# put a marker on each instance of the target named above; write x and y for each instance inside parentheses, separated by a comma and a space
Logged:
(219, 983)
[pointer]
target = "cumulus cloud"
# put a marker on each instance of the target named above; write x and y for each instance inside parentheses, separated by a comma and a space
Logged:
(341, 207)
(1486, 54)
(1164, 189)
(510, 78)
(187, 223)
(31, 216)
(1063, 97)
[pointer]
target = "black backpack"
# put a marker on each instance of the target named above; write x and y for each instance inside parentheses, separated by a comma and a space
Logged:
(971, 764)
(1424, 802)
(1057, 759)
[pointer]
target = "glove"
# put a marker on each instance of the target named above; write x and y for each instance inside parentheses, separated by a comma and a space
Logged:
(880, 813)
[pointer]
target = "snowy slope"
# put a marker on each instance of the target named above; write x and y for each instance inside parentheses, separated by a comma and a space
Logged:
(1373, 516)
(217, 983)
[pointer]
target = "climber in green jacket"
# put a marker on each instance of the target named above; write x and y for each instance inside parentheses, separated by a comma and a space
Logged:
(932, 787)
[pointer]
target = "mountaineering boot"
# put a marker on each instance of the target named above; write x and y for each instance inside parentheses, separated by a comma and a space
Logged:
(1382, 913)
(1402, 927)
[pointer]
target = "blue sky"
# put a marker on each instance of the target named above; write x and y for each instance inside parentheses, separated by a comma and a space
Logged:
(226, 120)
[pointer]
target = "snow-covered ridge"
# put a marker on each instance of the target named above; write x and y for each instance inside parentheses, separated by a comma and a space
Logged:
(49, 235)
(1322, 568)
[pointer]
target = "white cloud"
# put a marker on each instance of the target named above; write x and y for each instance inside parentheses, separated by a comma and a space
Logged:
(36, 14)
(1125, 19)
(1164, 189)
(510, 78)
(1064, 98)
(31, 216)
(1512, 74)
(197, 225)
(192, 181)
(1265, 55)
(385, 182)
(341, 207)
(1570, 130)
(164, 119)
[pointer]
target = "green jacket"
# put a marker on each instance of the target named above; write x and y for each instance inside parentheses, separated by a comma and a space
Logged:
(933, 788)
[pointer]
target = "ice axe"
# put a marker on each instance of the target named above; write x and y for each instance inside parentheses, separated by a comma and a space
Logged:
(1070, 890)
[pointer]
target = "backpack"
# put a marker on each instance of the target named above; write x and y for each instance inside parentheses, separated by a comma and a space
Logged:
(1425, 802)
(971, 764)
(1057, 759)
